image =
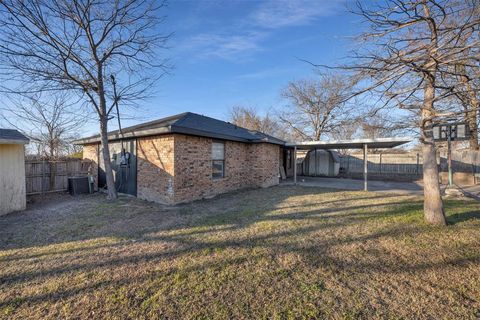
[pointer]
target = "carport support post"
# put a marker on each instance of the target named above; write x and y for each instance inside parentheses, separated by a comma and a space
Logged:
(295, 165)
(365, 167)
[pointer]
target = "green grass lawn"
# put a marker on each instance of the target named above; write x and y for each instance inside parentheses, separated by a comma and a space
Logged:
(277, 253)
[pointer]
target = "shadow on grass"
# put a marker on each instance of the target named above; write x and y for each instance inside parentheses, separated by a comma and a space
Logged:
(316, 256)
(186, 243)
(186, 231)
(94, 217)
(464, 216)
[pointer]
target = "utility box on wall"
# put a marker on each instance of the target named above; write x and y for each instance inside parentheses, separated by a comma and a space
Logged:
(12, 171)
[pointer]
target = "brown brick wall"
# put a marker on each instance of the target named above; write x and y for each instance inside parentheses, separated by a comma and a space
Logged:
(177, 168)
(193, 168)
(264, 164)
(90, 152)
(155, 169)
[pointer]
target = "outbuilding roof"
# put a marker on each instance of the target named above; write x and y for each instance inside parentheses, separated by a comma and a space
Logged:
(376, 143)
(11, 136)
(191, 124)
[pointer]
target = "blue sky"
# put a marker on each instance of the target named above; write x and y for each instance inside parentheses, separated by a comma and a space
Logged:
(243, 52)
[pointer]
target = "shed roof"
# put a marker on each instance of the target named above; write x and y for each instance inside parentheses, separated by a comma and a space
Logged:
(11, 136)
(188, 123)
(351, 144)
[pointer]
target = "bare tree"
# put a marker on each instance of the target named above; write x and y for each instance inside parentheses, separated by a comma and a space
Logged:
(409, 47)
(249, 118)
(50, 122)
(375, 127)
(77, 45)
(463, 79)
(346, 130)
(316, 107)
(464, 76)
(468, 94)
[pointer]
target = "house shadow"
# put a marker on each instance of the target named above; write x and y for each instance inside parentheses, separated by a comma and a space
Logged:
(63, 218)
(228, 222)
(92, 216)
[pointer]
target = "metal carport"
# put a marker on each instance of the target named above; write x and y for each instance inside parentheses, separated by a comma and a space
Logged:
(378, 143)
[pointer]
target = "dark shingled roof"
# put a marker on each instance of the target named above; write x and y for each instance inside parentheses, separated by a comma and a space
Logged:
(191, 124)
(11, 136)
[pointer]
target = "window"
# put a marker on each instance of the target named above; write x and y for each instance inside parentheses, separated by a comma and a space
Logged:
(218, 160)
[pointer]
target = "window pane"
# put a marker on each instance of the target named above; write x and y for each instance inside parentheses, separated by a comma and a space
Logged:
(218, 151)
(217, 169)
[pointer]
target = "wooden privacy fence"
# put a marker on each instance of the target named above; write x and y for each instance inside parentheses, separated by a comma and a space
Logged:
(43, 176)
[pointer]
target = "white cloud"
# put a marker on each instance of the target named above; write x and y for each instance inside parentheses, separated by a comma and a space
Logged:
(267, 73)
(284, 13)
(244, 37)
(224, 46)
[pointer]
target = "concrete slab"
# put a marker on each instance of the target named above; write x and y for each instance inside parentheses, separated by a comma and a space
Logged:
(352, 184)
(472, 191)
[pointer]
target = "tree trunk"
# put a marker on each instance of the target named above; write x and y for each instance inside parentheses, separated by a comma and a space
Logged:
(112, 191)
(472, 123)
(433, 205)
(103, 116)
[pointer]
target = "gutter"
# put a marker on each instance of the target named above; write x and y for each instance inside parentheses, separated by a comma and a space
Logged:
(171, 129)
(118, 136)
(14, 141)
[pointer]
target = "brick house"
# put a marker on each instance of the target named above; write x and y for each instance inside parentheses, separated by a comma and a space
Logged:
(186, 157)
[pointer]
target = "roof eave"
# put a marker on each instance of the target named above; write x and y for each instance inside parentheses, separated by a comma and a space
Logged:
(14, 141)
(214, 135)
(127, 135)
(207, 134)
(271, 141)
(352, 144)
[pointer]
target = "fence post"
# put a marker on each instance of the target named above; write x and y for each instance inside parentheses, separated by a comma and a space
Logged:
(348, 164)
(43, 177)
(418, 163)
(53, 173)
(380, 163)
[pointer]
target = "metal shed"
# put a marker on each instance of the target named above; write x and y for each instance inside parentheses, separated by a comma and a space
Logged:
(12, 171)
(320, 162)
(363, 144)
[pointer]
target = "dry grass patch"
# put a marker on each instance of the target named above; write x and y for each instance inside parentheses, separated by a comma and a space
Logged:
(283, 252)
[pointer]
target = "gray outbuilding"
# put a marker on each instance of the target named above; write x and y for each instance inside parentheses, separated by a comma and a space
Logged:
(364, 144)
(321, 163)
